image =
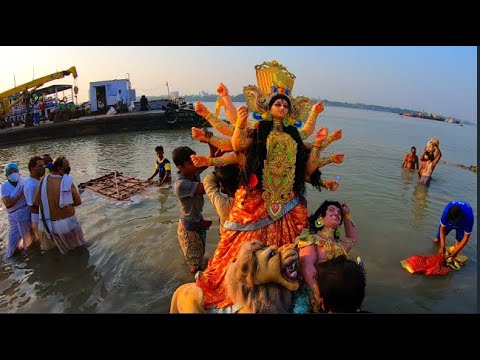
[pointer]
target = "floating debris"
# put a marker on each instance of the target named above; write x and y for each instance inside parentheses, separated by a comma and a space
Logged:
(116, 186)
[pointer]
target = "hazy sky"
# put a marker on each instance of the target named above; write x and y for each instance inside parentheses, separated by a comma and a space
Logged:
(441, 80)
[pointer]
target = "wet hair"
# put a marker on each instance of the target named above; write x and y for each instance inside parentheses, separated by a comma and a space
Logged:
(33, 161)
(322, 211)
(413, 148)
(342, 283)
(159, 148)
(181, 155)
(454, 214)
(229, 177)
(57, 163)
(258, 151)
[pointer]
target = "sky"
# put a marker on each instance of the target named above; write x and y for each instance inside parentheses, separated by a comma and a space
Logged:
(441, 80)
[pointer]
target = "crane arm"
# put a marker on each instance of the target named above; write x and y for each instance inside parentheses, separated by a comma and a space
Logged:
(40, 81)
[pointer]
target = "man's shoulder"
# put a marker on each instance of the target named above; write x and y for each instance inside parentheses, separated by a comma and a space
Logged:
(29, 181)
(6, 186)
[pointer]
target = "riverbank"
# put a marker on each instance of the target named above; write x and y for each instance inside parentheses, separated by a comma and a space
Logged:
(101, 124)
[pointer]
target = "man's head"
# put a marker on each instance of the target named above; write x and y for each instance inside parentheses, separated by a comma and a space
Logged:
(12, 172)
(36, 166)
(181, 157)
(47, 159)
(454, 214)
(341, 282)
(228, 178)
(61, 164)
(413, 149)
(159, 151)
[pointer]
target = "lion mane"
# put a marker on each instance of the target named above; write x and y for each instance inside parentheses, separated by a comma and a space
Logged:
(270, 298)
(259, 280)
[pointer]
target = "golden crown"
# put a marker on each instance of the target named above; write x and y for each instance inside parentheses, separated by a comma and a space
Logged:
(273, 79)
(274, 74)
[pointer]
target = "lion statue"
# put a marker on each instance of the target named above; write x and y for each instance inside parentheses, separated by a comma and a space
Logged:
(259, 280)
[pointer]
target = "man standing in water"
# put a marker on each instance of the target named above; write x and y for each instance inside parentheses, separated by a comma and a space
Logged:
(18, 212)
(162, 168)
(36, 167)
(411, 159)
(57, 197)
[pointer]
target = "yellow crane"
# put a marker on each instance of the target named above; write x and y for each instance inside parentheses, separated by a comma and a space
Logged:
(30, 87)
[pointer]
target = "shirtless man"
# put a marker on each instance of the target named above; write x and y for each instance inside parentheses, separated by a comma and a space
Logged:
(57, 197)
(411, 159)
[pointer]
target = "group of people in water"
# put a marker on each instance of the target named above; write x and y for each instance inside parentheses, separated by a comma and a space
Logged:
(41, 207)
(269, 163)
(263, 167)
(429, 160)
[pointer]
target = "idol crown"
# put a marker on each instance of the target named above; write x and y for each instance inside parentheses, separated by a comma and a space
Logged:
(273, 77)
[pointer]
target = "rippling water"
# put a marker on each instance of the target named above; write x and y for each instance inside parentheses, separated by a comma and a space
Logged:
(133, 262)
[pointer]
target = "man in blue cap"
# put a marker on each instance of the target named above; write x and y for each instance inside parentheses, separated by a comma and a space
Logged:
(18, 211)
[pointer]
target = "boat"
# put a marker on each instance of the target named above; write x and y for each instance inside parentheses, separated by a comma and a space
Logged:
(166, 103)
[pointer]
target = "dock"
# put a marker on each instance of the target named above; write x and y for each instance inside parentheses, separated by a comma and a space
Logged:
(102, 124)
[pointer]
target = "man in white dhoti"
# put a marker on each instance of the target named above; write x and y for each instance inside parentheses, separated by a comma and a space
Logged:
(18, 211)
(57, 197)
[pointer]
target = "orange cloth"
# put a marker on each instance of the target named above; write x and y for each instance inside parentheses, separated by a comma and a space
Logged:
(248, 207)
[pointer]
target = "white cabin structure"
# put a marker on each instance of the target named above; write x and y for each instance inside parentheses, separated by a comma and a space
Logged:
(103, 94)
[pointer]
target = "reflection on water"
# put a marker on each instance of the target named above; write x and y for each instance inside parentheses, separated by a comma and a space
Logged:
(408, 177)
(133, 262)
(420, 204)
(50, 280)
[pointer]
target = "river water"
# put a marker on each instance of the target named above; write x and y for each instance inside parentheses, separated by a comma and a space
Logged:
(133, 262)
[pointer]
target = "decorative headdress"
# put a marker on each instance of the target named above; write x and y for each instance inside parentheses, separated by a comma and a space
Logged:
(274, 79)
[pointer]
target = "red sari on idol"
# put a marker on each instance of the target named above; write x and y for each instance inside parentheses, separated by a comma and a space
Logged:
(249, 221)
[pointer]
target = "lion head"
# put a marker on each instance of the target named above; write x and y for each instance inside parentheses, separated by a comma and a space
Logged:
(261, 278)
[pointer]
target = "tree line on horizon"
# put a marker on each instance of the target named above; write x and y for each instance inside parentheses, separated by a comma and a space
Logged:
(241, 98)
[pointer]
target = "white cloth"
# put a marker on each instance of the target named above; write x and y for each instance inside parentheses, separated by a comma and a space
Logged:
(34, 218)
(67, 233)
(45, 205)
(12, 191)
(29, 189)
(19, 230)
(66, 197)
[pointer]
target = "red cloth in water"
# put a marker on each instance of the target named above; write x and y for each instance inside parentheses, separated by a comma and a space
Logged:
(430, 265)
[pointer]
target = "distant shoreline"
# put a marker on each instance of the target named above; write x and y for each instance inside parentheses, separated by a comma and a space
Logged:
(395, 110)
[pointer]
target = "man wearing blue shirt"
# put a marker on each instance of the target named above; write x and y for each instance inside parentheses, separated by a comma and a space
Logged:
(457, 215)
